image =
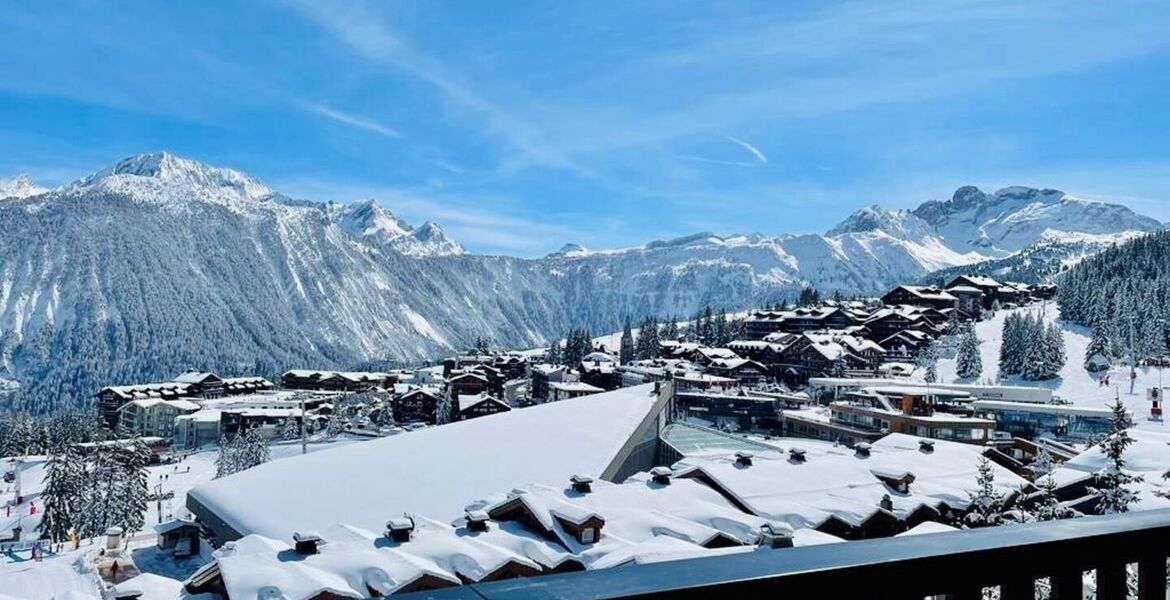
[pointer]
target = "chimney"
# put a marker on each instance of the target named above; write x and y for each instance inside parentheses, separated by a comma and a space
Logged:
(743, 459)
(926, 446)
(582, 484)
(477, 520)
(776, 534)
(661, 475)
(862, 449)
(796, 455)
(307, 542)
(886, 503)
(400, 528)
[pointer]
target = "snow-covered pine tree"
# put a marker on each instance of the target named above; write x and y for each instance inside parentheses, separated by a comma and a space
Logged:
(444, 410)
(1113, 491)
(968, 363)
(1054, 344)
(669, 330)
(290, 429)
(133, 485)
(987, 503)
(253, 450)
(928, 361)
(1097, 353)
(334, 425)
(1012, 348)
(228, 458)
(64, 493)
(554, 354)
(626, 347)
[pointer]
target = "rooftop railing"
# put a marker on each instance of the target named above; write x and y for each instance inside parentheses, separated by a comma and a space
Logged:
(951, 565)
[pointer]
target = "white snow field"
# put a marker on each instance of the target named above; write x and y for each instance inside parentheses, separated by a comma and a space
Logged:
(195, 469)
(1074, 384)
(434, 472)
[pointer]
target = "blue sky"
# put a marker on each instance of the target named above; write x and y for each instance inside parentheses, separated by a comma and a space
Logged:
(520, 126)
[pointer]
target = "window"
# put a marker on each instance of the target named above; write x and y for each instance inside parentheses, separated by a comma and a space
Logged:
(588, 535)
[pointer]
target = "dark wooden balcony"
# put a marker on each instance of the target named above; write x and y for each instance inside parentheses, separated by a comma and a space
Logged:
(955, 565)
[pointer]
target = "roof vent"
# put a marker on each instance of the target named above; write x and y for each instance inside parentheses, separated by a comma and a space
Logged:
(862, 449)
(306, 542)
(797, 455)
(926, 446)
(477, 520)
(743, 459)
(582, 484)
(887, 503)
(127, 593)
(776, 534)
(661, 475)
(400, 528)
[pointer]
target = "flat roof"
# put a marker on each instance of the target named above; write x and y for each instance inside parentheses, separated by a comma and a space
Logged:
(435, 471)
(1051, 409)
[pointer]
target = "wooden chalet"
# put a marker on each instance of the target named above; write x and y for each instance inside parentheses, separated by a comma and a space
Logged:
(479, 405)
(416, 406)
(925, 296)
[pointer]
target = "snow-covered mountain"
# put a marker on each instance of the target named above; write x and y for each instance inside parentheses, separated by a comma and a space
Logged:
(158, 264)
(1000, 224)
(21, 186)
(370, 220)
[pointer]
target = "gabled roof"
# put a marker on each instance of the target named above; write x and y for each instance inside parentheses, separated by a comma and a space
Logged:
(466, 401)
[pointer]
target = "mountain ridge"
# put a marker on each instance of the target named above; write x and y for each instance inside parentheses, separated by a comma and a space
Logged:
(158, 264)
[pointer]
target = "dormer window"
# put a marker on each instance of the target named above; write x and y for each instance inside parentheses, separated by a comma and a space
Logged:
(588, 535)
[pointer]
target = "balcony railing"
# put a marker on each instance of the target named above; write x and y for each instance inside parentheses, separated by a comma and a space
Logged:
(954, 565)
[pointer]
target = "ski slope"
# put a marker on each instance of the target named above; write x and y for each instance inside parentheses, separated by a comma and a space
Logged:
(1074, 384)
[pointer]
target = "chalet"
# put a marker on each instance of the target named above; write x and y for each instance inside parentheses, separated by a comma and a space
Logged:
(112, 398)
(762, 323)
(704, 356)
(599, 374)
(762, 351)
(464, 362)
(467, 383)
(889, 321)
(479, 405)
(564, 390)
(970, 299)
(926, 296)
(203, 384)
(988, 286)
(417, 405)
(905, 344)
(865, 352)
(1014, 293)
(154, 416)
(513, 366)
(746, 371)
(233, 386)
(543, 375)
(336, 381)
(690, 380)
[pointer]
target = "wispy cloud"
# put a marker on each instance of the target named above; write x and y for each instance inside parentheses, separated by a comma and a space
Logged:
(750, 148)
(367, 34)
(350, 119)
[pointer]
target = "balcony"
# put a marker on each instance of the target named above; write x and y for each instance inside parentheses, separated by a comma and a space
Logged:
(954, 565)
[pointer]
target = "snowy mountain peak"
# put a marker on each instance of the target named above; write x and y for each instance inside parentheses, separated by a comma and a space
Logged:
(896, 223)
(571, 249)
(1010, 219)
(370, 221)
(368, 218)
(21, 186)
(430, 240)
(171, 170)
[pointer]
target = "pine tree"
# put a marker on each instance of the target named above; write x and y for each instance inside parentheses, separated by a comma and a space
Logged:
(1044, 505)
(986, 503)
(253, 450)
(290, 429)
(968, 363)
(1113, 491)
(554, 355)
(626, 352)
(227, 461)
(444, 410)
(64, 494)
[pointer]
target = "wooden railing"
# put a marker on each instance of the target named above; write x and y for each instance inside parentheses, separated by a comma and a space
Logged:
(953, 565)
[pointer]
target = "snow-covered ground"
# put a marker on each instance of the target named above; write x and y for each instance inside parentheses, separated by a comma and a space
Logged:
(179, 477)
(1075, 384)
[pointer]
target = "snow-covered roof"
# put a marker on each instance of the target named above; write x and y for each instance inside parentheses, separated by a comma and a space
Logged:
(1048, 409)
(195, 377)
(426, 472)
(837, 483)
(467, 401)
(574, 386)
